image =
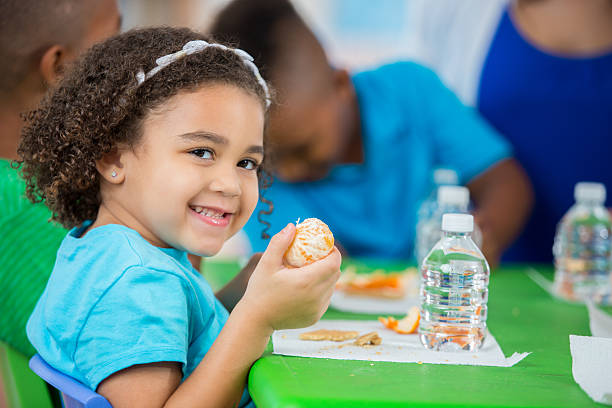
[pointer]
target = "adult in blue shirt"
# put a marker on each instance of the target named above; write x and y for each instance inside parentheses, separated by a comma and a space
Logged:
(358, 151)
(541, 73)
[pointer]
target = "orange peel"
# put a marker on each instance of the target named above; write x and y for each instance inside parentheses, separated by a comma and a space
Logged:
(406, 325)
(389, 322)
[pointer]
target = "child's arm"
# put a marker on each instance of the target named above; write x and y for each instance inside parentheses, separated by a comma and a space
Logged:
(231, 293)
(218, 381)
(276, 298)
(503, 197)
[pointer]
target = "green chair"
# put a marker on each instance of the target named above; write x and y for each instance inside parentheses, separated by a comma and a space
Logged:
(19, 386)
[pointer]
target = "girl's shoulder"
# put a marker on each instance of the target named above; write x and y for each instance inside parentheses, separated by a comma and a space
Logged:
(109, 250)
(111, 264)
(113, 301)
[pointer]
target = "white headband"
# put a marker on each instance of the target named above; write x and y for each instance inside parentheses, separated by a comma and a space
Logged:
(193, 47)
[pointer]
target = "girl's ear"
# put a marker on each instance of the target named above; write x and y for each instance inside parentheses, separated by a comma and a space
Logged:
(111, 168)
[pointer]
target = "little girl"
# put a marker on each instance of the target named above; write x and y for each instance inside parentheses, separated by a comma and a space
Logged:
(149, 149)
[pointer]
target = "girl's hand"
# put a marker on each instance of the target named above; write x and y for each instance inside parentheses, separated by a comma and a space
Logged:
(286, 298)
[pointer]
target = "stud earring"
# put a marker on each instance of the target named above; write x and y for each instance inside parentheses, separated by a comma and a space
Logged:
(114, 174)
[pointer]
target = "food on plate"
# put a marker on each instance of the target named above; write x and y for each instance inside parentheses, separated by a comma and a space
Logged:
(406, 325)
(333, 335)
(392, 285)
(313, 240)
(368, 339)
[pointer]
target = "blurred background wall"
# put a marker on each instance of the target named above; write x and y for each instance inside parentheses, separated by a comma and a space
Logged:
(355, 33)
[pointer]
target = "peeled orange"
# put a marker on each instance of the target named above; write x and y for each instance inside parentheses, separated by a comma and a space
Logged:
(313, 240)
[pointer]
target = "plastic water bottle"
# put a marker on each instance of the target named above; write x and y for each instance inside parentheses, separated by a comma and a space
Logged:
(454, 289)
(441, 177)
(450, 199)
(582, 248)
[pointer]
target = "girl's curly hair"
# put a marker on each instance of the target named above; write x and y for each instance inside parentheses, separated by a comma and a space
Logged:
(98, 106)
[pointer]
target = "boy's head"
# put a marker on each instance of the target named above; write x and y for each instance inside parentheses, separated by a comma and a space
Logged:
(313, 119)
(96, 125)
(38, 38)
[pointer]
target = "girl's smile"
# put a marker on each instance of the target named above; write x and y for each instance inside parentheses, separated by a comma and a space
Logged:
(213, 216)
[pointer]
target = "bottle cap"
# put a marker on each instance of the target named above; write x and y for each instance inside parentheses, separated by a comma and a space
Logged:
(457, 223)
(590, 192)
(453, 195)
(445, 177)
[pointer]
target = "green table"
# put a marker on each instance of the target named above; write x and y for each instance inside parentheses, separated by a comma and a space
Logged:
(522, 317)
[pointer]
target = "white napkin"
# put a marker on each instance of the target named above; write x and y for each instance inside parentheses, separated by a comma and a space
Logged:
(592, 357)
(592, 366)
(405, 348)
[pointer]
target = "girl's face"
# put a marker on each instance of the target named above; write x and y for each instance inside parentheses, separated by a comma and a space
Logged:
(191, 182)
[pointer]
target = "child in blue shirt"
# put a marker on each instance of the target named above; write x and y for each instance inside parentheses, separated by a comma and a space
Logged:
(150, 149)
(359, 150)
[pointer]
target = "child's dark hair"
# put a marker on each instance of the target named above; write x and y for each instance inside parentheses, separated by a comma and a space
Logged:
(99, 105)
(255, 25)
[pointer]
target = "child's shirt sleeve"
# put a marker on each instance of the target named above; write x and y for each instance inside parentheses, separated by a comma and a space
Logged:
(142, 318)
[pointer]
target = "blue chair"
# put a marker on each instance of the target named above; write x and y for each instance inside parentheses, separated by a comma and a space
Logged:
(74, 394)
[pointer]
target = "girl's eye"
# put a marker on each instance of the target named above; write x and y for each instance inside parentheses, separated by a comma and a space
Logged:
(203, 153)
(248, 164)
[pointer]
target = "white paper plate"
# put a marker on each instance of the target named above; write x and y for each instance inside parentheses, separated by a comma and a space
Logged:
(366, 304)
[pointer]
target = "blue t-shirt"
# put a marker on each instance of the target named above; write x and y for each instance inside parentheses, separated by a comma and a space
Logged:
(114, 300)
(410, 124)
(557, 113)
